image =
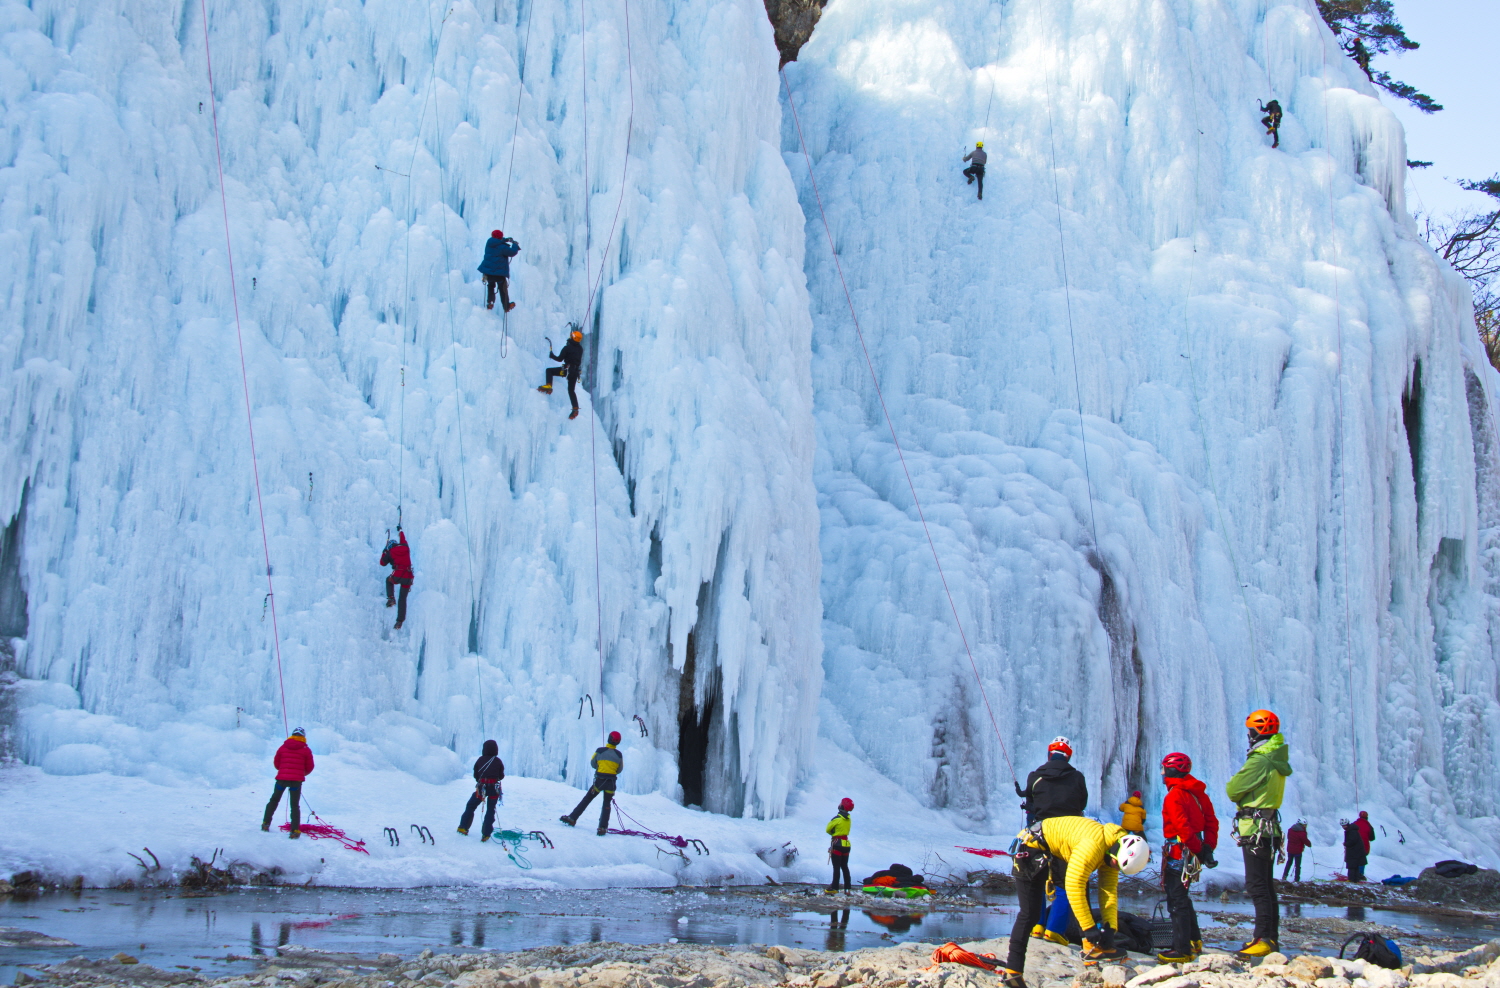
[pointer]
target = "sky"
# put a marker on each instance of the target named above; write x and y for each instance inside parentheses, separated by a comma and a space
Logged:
(1455, 66)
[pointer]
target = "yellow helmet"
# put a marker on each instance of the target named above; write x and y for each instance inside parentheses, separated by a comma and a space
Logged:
(979, 144)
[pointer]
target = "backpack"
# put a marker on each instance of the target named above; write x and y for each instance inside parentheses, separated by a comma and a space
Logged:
(1453, 869)
(1138, 934)
(1374, 949)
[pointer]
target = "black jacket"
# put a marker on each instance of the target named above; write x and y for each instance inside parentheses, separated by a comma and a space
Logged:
(571, 356)
(488, 767)
(1055, 789)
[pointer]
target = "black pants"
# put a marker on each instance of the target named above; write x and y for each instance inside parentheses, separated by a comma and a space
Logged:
(1356, 866)
(296, 788)
(1260, 886)
(840, 867)
(1294, 866)
(1274, 129)
(390, 594)
(588, 797)
(572, 374)
(487, 793)
(974, 172)
(493, 282)
(1031, 898)
(1180, 905)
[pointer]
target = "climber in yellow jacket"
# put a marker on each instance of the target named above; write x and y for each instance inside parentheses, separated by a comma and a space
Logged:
(1133, 814)
(838, 846)
(1084, 846)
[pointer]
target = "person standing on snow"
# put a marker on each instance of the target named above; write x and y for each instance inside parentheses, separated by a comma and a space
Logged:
(294, 763)
(976, 170)
(1056, 788)
(839, 847)
(571, 357)
(1192, 833)
(397, 556)
(1296, 842)
(1256, 790)
(1133, 814)
(489, 772)
(606, 763)
(1357, 838)
(1083, 846)
(495, 267)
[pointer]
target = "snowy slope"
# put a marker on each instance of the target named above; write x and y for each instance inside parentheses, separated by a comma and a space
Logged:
(1193, 422)
(367, 152)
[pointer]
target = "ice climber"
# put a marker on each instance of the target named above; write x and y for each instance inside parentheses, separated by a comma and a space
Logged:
(1256, 790)
(1056, 788)
(1133, 814)
(495, 267)
(294, 763)
(1272, 121)
(1191, 831)
(1296, 842)
(838, 846)
(975, 171)
(397, 556)
(571, 357)
(607, 763)
(1357, 838)
(1077, 846)
(489, 772)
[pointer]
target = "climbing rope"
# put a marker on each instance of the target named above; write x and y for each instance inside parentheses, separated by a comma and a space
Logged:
(239, 334)
(891, 425)
(515, 133)
(1187, 326)
(1062, 246)
(458, 395)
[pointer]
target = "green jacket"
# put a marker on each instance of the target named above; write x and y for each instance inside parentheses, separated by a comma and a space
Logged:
(1261, 781)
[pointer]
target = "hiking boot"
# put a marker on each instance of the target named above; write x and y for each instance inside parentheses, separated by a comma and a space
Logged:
(509, 306)
(296, 833)
(1257, 948)
(568, 820)
(830, 891)
(489, 305)
(1039, 932)
(485, 838)
(601, 831)
(265, 828)
(398, 625)
(1175, 957)
(1197, 947)
(464, 831)
(545, 389)
(1094, 953)
(1011, 979)
(574, 415)
(1052, 936)
(390, 602)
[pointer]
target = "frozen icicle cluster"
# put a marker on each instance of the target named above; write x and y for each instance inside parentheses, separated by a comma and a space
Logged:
(367, 153)
(1197, 426)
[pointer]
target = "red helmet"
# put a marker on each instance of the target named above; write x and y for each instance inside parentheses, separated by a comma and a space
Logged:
(846, 804)
(1178, 762)
(1061, 744)
(614, 737)
(1264, 723)
(496, 234)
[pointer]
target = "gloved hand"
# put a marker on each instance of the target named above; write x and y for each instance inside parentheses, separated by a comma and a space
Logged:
(1206, 856)
(1093, 934)
(1019, 791)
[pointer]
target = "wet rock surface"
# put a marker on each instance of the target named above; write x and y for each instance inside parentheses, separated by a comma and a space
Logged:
(794, 21)
(1480, 890)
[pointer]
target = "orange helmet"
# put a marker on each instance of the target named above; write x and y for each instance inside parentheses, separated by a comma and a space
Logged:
(1264, 723)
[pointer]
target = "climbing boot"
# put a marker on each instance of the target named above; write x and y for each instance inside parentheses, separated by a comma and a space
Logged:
(574, 415)
(1174, 957)
(1097, 953)
(1011, 979)
(568, 820)
(265, 828)
(1052, 936)
(464, 831)
(390, 602)
(489, 305)
(509, 306)
(296, 833)
(1197, 948)
(1257, 948)
(601, 831)
(398, 625)
(485, 838)
(545, 389)
(1039, 932)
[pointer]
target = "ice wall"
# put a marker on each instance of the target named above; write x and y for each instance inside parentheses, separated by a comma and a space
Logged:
(1192, 420)
(367, 152)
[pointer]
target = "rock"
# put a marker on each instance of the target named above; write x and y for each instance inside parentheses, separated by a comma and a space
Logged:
(1153, 976)
(1309, 968)
(1113, 974)
(1088, 978)
(1181, 981)
(124, 958)
(1332, 983)
(1274, 957)
(1454, 962)
(1481, 889)
(6, 888)
(1441, 979)
(11, 936)
(1217, 964)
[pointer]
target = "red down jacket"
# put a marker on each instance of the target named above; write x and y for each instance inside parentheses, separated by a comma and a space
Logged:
(1188, 815)
(398, 558)
(294, 761)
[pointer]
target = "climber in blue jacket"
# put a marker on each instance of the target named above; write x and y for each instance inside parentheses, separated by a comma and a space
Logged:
(495, 267)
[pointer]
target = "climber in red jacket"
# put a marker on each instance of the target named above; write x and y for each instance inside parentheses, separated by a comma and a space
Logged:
(1192, 831)
(397, 556)
(294, 763)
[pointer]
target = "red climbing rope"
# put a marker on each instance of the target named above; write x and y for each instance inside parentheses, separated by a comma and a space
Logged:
(265, 543)
(890, 424)
(326, 831)
(984, 852)
(677, 841)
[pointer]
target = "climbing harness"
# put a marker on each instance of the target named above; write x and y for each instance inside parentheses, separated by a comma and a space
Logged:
(891, 425)
(244, 374)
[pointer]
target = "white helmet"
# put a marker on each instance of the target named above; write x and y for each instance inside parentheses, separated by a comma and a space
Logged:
(1131, 854)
